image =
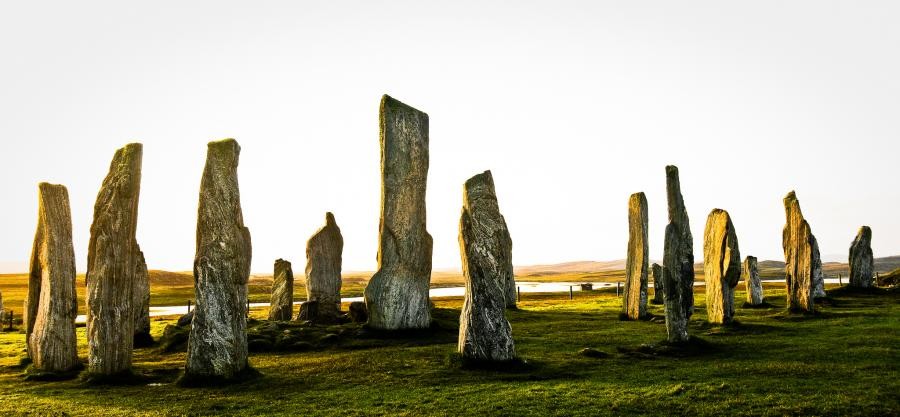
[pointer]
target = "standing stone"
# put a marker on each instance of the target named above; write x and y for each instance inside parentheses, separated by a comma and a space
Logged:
(141, 301)
(678, 262)
(112, 262)
(323, 269)
(51, 304)
(658, 290)
(750, 275)
(634, 301)
(486, 251)
(721, 266)
(281, 306)
(217, 348)
(818, 273)
(799, 257)
(397, 295)
(862, 264)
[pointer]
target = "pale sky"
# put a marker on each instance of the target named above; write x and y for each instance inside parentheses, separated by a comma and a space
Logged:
(572, 105)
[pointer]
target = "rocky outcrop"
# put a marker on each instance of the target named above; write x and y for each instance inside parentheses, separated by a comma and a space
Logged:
(634, 299)
(309, 311)
(281, 306)
(323, 268)
(217, 349)
(51, 304)
(750, 276)
(658, 290)
(721, 266)
(486, 251)
(113, 258)
(141, 301)
(678, 262)
(862, 263)
(800, 249)
(397, 295)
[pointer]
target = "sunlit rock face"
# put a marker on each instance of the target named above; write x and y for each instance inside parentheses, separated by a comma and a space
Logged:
(678, 262)
(659, 292)
(397, 295)
(862, 262)
(800, 255)
(217, 348)
(721, 266)
(485, 248)
(323, 269)
(113, 261)
(634, 300)
(752, 283)
(281, 305)
(51, 303)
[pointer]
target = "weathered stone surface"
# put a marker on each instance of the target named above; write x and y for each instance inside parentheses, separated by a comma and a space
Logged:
(634, 299)
(309, 311)
(397, 295)
(678, 262)
(323, 268)
(862, 262)
(112, 263)
(799, 256)
(818, 276)
(721, 266)
(753, 285)
(281, 307)
(486, 251)
(218, 341)
(51, 304)
(358, 312)
(659, 290)
(141, 301)
(186, 319)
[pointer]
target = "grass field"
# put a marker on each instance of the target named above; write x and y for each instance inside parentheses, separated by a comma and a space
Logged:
(844, 361)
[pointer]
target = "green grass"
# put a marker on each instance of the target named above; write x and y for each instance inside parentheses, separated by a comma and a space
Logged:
(843, 361)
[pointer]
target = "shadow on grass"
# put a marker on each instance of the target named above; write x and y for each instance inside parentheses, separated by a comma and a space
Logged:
(693, 347)
(32, 374)
(200, 381)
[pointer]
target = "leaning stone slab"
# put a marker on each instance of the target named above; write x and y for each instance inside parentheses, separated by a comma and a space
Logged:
(51, 304)
(217, 350)
(862, 263)
(658, 289)
(282, 302)
(323, 269)
(721, 266)
(750, 276)
(678, 262)
(113, 259)
(397, 295)
(485, 248)
(634, 300)
(799, 257)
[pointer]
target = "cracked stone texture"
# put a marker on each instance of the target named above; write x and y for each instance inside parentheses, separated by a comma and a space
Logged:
(634, 299)
(51, 304)
(282, 302)
(678, 262)
(397, 295)
(659, 291)
(800, 249)
(721, 266)
(323, 268)
(486, 252)
(862, 263)
(113, 258)
(753, 285)
(217, 348)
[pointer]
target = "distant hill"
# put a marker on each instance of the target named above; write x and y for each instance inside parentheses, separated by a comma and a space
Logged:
(571, 267)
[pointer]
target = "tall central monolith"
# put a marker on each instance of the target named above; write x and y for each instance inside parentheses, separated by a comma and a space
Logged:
(678, 262)
(800, 250)
(397, 295)
(51, 303)
(752, 283)
(217, 348)
(324, 252)
(486, 251)
(721, 266)
(862, 263)
(113, 260)
(281, 305)
(634, 300)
